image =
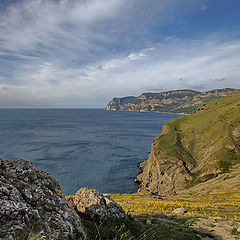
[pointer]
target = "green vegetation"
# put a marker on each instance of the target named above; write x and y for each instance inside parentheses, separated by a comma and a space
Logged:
(143, 227)
(203, 178)
(205, 100)
(190, 221)
(32, 232)
(169, 228)
(111, 229)
(126, 100)
(186, 110)
(234, 231)
(171, 94)
(208, 139)
(211, 225)
(171, 143)
(35, 232)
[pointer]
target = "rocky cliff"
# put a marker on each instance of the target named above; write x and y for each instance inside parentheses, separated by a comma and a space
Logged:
(32, 204)
(178, 101)
(194, 149)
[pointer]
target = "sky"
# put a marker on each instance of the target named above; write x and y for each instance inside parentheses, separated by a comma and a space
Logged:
(82, 53)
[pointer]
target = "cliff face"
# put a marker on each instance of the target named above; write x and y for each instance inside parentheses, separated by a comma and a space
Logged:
(194, 149)
(162, 173)
(179, 101)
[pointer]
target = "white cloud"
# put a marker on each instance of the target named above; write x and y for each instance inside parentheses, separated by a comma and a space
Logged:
(30, 25)
(81, 53)
(169, 66)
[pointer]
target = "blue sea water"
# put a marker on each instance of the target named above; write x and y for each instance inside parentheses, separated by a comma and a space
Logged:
(81, 147)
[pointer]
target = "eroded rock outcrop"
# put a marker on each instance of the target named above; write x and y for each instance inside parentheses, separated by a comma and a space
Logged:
(162, 174)
(32, 202)
(95, 204)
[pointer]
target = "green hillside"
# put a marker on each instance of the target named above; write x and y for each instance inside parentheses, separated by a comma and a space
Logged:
(194, 148)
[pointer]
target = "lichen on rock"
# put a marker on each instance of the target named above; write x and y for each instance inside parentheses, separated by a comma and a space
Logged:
(32, 202)
(91, 202)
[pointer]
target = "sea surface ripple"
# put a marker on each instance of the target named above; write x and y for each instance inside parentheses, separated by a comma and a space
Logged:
(81, 147)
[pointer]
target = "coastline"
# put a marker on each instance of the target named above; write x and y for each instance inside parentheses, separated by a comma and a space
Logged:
(110, 110)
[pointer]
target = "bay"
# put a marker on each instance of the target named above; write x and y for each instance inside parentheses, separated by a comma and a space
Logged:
(81, 147)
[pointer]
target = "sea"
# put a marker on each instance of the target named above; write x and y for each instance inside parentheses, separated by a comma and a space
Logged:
(82, 147)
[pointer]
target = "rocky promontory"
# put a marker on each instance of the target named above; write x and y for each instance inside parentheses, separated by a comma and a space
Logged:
(176, 101)
(194, 149)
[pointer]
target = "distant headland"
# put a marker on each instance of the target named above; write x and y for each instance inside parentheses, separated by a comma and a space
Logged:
(175, 101)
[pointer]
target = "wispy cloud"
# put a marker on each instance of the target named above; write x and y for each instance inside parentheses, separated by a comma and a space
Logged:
(196, 64)
(78, 24)
(81, 53)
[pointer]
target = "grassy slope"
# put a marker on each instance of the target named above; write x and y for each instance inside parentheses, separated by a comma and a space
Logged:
(191, 109)
(205, 138)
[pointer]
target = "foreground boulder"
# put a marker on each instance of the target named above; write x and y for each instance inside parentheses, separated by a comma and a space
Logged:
(32, 202)
(95, 204)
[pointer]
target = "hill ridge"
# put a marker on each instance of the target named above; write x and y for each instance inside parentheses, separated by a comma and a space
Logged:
(175, 101)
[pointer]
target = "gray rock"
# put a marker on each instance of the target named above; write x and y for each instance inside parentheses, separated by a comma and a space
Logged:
(179, 211)
(31, 201)
(91, 202)
(148, 221)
